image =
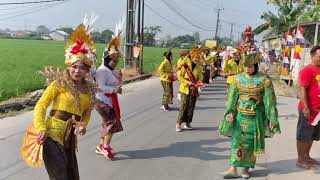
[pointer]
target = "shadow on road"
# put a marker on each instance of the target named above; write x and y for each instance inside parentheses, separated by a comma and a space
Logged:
(210, 99)
(209, 107)
(213, 93)
(202, 150)
(205, 128)
(214, 89)
(286, 166)
(259, 173)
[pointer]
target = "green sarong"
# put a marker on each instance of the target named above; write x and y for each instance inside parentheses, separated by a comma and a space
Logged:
(167, 92)
(187, 105)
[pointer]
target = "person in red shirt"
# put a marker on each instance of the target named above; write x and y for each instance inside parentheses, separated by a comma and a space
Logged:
(309, 106)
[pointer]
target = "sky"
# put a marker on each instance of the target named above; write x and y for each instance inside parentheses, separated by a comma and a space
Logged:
(186, 16)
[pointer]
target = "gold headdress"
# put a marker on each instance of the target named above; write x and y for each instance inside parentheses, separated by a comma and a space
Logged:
(252, 59)
(114, 46)
(194, 52)
(80, 45)
(239, 49)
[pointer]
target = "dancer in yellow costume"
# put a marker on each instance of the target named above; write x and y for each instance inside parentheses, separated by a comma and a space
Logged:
(167, 77)
(189, 77)
(207, 62)
(233, 66)
(72, 95)
(184, 56)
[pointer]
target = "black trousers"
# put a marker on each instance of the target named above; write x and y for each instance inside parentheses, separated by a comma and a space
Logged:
(61, 163)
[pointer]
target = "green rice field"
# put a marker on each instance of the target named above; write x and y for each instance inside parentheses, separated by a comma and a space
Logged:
(20, 60)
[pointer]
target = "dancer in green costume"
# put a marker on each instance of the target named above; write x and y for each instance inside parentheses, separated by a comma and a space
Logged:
(251, 115)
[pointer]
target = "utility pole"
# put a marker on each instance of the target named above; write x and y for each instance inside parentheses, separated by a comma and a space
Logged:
(218, 21)
(129, 34)
(142, 38)
(231, 33)
(138, 62)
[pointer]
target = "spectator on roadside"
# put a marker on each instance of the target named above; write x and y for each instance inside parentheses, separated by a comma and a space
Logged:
(308, 130)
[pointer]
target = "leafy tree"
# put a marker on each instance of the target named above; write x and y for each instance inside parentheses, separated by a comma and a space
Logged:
(187, 39)
(150, 34)
(97, 37)
(41, 30)
(311, 14)
(290, 12)
(106, 35)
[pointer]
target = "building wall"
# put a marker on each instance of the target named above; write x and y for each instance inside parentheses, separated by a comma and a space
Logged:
(57, 37)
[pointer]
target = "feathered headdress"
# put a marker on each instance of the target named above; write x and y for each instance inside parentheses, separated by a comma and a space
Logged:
(114, 45)
(80, 45)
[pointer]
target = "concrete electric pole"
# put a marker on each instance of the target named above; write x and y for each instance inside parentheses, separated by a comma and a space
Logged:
(218, 21)
(132, 19)
(231, 33)
(129, 34)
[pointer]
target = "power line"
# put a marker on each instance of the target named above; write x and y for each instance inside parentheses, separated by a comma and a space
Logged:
(178, 10)
(181, 27)
(243, 11)
(236, 24)
(21, 9)
(32, 11)
(16, 7)
(28, 2)
(12, 13)
(169, 21)
(183, 17)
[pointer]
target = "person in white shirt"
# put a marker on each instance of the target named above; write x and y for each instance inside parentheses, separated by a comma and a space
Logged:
(109, 82)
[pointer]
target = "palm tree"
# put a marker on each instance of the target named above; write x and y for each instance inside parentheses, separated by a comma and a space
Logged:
(288, 13)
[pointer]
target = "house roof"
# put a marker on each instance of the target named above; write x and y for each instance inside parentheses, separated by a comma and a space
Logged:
(60, 32)
(309, 23)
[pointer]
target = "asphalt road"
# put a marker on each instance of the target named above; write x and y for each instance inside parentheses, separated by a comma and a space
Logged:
(147, 149)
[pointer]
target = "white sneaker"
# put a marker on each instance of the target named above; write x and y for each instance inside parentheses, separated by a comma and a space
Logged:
(178, 128)
(101, 151)
(105, 152)
(164, 108)
(179, 97)
(188, 127)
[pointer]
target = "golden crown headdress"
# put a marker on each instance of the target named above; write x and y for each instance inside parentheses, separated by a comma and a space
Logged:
(80, 45)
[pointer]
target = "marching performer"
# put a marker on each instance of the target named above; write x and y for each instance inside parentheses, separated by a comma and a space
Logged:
(190, 77)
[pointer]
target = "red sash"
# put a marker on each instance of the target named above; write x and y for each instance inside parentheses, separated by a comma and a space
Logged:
(115, 104)
(194, 90)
